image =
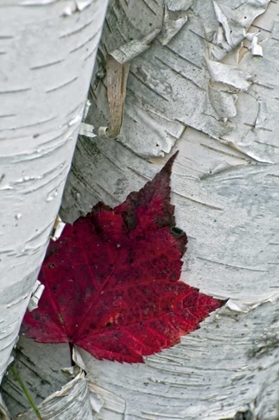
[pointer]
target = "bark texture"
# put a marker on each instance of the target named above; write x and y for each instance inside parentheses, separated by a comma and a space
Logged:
(203, 80)
(212, 94)
(47, 52)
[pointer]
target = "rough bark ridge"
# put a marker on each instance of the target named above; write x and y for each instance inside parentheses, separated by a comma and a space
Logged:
(47, 52)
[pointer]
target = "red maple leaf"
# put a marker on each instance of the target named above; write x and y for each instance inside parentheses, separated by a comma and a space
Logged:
(112, 280)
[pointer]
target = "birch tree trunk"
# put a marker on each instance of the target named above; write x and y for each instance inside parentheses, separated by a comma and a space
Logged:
(198, 83)
(208, 86)
(47, 52)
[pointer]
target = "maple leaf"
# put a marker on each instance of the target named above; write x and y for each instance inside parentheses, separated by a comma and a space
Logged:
(112, 280)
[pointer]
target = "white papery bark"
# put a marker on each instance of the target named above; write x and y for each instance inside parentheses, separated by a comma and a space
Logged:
(47, 52)
(210, 78)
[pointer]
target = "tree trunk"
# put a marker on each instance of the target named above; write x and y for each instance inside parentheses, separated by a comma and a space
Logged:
(200, 86)
(47, 51)
(211, 95)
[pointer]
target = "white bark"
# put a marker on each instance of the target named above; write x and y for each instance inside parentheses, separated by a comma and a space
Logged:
(64, 404)
(47, 52)
(225, 188)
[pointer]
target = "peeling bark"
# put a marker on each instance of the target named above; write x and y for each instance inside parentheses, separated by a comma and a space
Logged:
(196, 87)
(205, 94)
(47, 52)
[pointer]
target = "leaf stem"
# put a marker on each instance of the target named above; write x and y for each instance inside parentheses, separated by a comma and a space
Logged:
(26, 392)
(71, 346)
